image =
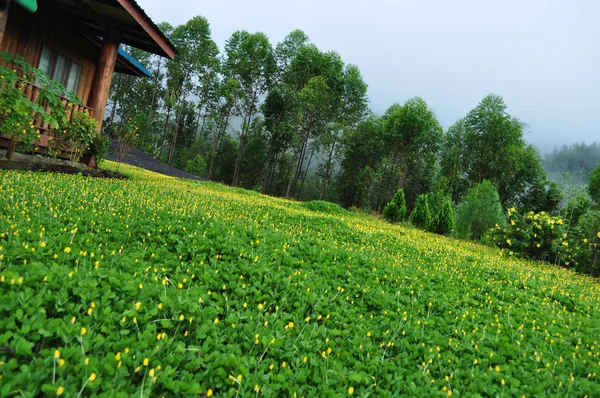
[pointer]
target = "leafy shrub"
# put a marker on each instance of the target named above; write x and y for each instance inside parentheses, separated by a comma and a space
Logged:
(78, 135)
(420, 216)
(196, 166)
(99, 147)
(479, 211)
(443, 222)
(533, 235)
(584, 241)
(323, 206)
(395, 210)
(17, 111)
(127, 136)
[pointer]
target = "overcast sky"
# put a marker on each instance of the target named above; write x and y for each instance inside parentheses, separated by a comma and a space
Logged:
(542, 56)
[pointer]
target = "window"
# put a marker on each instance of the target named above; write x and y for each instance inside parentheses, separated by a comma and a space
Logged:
(60, 69)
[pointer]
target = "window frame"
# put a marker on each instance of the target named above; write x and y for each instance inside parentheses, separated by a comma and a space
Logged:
(53, 63)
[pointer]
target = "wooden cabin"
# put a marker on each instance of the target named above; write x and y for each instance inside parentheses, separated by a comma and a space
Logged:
(77, 43)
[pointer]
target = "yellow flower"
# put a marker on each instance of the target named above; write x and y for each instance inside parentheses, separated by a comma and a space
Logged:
(56, 354)
(138, 305)
(350, 390)
(92, 377)
(209, 393)
(146, 361)
(83, 331)
(260, 306)
(216, 320)
(60, 391)
(67, 250)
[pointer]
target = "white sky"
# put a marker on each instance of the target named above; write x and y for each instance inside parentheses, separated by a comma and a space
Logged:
(543, 57)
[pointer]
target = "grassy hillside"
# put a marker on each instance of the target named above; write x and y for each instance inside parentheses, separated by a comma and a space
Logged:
(157, 286)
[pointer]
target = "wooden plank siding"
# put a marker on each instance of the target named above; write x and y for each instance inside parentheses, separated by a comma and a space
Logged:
(27, 33)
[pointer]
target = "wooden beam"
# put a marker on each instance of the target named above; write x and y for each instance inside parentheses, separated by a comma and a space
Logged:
(102, 78)
(4, 7)
(148, 27)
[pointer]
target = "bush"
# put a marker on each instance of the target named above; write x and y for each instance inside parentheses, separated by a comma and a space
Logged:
(99, 147)
(78, 135)
(420, 216)
(323, 206)
(443, 222)
(395, 210)
(16, 110)
(584, 241)
(196, 166)
(479, 211)
(533, 235)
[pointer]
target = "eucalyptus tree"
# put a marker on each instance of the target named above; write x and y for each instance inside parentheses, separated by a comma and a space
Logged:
(352, 108)
(195, 60)
(249, 59)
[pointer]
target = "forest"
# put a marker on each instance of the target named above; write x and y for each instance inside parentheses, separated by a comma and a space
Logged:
(291, 120)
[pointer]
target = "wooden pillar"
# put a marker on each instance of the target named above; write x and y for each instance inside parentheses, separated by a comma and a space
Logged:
(4, 7)
(102, 78)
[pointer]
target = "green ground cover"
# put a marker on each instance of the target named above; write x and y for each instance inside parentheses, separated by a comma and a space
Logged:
(162, 287)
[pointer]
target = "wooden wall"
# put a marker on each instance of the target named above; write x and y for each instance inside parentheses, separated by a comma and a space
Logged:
(26, 34)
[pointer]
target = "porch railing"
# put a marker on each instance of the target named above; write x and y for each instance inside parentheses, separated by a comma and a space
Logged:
(32, 93)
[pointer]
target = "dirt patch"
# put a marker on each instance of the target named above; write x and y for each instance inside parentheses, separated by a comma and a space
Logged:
(45, 164)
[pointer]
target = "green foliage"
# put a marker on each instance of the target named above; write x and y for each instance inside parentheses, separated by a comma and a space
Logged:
(584, 242)
(420, 216)
(479, 211)
(443, 221)
(322, 206)
(225, 290)
(127, 135)
(78, 135)
(196, 166)
(395, 210)
(99, 147)
(577, 206)
(488, 145)
(594, 185)
(532, 235)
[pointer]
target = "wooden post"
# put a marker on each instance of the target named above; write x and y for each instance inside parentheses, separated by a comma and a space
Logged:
(4, 7)
(102, 78)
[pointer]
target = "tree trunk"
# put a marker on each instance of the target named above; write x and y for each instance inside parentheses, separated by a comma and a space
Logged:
(218, 141)
(306, 172)
(289, 187)
(327, 170)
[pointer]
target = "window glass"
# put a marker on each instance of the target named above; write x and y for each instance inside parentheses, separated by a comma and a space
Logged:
(60, 70)
(74, 74)
(46, 61)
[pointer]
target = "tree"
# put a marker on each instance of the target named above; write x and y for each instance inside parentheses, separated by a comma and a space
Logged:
(362, 150)
(420, 216)
(251, 61)
(594, 185)
(351, 110)
(395, 210)
(413, 133)
(195, 62)
(488, 145)
(313, 83)
(443, 222)
(479, 211)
